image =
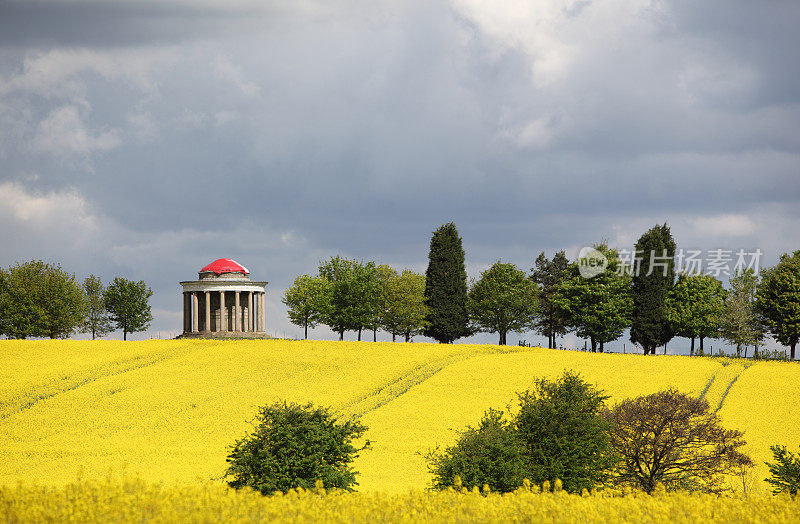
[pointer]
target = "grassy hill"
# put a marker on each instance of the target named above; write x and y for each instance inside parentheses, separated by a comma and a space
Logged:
(168, 410)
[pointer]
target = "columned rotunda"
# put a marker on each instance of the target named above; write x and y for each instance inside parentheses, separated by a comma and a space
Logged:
(224, 302)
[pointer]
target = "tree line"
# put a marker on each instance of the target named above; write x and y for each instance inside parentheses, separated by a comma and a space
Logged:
(38, 299)
(557, 297)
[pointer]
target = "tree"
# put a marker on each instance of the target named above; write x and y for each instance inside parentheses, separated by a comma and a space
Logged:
(558, 433)
(383, 277)
(96, 321)
(564, 433)
(652, 281)
(126, 302)
(446, 287)
(63, 302)
(20, 312)
(739, 324)
(778, 300)
(404, 309)
(352, 285)
(548, 274)
(307, 301)
(490, 454)
(784, 472)
(597, 308)
(673, 439)
(295, 446)
(40, 300)
(695, 307)
(502, 300)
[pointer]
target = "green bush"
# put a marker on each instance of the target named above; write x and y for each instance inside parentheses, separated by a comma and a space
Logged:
(559, 433)
(565, 434)
(294, 446)
(785, 472)
(489, 454)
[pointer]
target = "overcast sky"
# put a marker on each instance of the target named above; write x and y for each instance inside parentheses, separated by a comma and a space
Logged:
(146, 139)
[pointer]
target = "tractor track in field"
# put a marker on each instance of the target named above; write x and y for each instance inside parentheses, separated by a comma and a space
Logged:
(384, 394)
(28, 399)
(727, 384)
(393, 389)
(727, 390)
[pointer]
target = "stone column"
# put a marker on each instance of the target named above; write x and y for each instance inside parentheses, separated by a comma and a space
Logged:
(261, 312)
(237, 313)
(250, 317)
(194, 312)
(208, 311)
(187, 313)
(223, 312)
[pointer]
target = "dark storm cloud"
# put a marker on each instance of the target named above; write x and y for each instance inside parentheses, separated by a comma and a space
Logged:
(157, 135)
(37, 23)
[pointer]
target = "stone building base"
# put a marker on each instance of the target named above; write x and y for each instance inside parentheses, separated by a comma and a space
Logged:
(248, 335)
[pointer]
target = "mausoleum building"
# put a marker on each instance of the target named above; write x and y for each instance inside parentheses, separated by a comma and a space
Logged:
(224, 302)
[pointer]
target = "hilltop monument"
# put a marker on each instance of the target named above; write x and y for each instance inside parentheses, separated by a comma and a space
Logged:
(224, 302)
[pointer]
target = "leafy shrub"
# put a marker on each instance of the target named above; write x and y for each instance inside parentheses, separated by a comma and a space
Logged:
(565, 434)
(559, 433)
(785, 472)
(671, 438)
(489, 454)
(294, 446)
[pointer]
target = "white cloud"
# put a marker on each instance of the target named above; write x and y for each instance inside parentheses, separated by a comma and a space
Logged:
(554, 33)
(537, 134)
(45, 225)
(54, 73)
(63, 134)
(231, 72)
(727, 225)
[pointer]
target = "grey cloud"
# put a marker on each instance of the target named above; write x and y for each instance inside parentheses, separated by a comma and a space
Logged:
(281, 135)
(100, 23)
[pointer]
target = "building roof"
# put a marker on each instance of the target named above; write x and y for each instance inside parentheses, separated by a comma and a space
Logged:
(225, 265)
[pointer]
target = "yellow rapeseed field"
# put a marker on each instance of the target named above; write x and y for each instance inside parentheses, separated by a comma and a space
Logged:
(167, 411)
(133, 500)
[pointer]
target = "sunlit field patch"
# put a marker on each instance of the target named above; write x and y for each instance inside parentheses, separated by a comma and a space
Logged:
(167, 411)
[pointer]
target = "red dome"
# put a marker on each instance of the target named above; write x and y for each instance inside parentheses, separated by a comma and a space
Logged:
(225, 265)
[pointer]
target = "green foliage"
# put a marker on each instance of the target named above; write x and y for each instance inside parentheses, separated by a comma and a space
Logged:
(294, 446)
(502, 300)
(778, 300)
(126, 302)
(740, 325)
(548, 274)
(383, 276)
(353, 288)
(564, 433)
(652, 281)
(558, 433)
(39, 300)
(671, 438)
(307, 300)
(490, 454)
(96, 321)
(446, 287)
(404, 309)
(696, 306)
(784, 472)
(597, 308)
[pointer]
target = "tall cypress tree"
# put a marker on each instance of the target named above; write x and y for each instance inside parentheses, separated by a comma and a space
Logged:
(652, 281)
(446, 287)
(548, 275)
